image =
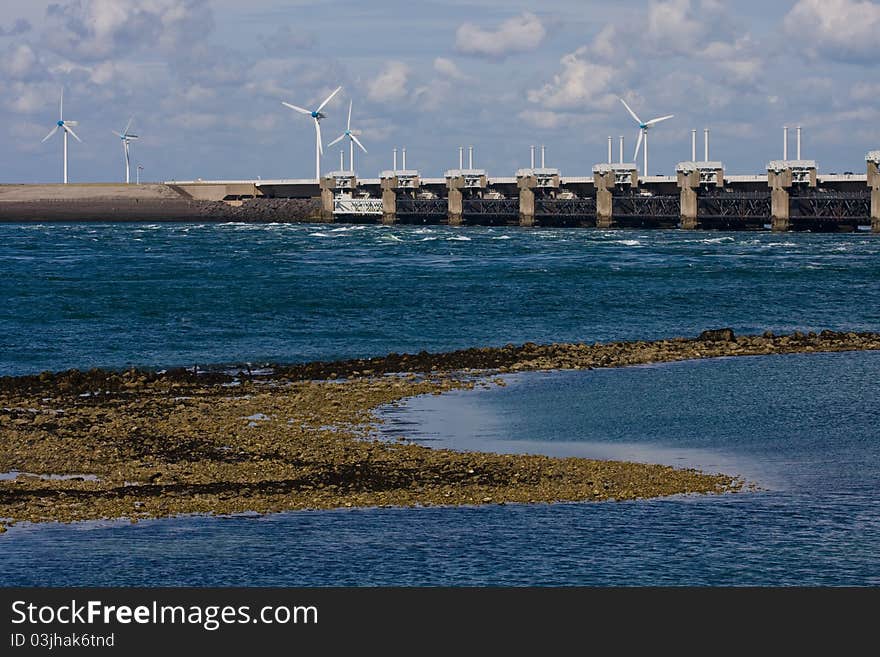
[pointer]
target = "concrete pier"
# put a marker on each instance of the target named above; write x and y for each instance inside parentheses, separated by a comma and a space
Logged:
(331, 186)
(606, 179)
(526, 186)
(689, 182)
(873, 160)
(460, 182)
(782, 175)
(692, 178)
(389, 200)
(454, 214)
(531, 182)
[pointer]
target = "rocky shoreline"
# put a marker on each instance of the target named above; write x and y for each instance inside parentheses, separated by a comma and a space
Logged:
(137, 444)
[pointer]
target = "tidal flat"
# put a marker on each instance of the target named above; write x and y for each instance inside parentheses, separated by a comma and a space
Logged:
(139, 444)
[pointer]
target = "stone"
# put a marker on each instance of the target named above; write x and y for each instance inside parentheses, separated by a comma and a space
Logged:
(718, 335)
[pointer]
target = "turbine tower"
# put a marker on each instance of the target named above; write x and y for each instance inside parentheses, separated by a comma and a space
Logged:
(316, 115)
(66, 127)
(644, 126)
(126, 138)
(352, 139)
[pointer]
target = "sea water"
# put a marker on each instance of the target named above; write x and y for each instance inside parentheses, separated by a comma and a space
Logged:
(802, 428)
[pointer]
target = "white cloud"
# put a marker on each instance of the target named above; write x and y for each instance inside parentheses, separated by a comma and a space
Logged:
(96, 29)
(20, 26)
(19, 62)
(581, 83)
(449, 69)
(544, 118)
(195, 120)
(30, 98)
(286, 39)
(686, 27)
(519, 34)
(673, 24)
(606, 45)
(390, 84)
(843, 30)
(869, 91)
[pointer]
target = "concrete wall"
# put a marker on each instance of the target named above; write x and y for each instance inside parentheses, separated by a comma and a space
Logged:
(87, 192)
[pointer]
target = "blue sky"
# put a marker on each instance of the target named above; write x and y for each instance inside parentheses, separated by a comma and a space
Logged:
(205, 79)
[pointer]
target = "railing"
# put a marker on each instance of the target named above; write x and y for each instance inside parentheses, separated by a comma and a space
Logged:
(358, 206)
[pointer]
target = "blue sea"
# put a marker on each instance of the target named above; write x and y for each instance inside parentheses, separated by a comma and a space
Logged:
(802, 428)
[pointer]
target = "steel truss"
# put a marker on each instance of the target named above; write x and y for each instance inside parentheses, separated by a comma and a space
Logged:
(734, 205)
(421, 206)
(832, 205)
(574, 208)
(490, 207)
(637, 205)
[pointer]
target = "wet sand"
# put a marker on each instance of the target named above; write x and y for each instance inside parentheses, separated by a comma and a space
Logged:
(149, 444)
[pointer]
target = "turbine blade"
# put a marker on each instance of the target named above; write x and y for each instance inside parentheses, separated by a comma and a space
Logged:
(71, 132)
(61, 106)
(359, 143)
(639, 144)
(662, 118)
(73, 123)
(297, 109)
(327, 99)
(629, 109)
(337, 140)
(318, 136)
(348, 125)
(118, 134)
(127, 126)
(51, 132)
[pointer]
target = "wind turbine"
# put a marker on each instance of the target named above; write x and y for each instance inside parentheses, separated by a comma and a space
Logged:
(126, 138)
(644, 126)
(66, 128)
(352, 139)
(316, 115)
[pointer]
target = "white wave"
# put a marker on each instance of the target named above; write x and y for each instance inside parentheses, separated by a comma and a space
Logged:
(717, 240)
(502, 237)
(391, 238)
(429, 239)
(458, 238)
(318, 234)
(630, 242)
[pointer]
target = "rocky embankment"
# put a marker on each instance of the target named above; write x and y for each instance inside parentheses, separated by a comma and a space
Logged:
(101, 444)
(263, 210)
(160, 209)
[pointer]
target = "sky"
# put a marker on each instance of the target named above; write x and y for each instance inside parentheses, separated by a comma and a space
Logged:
(204, 81)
